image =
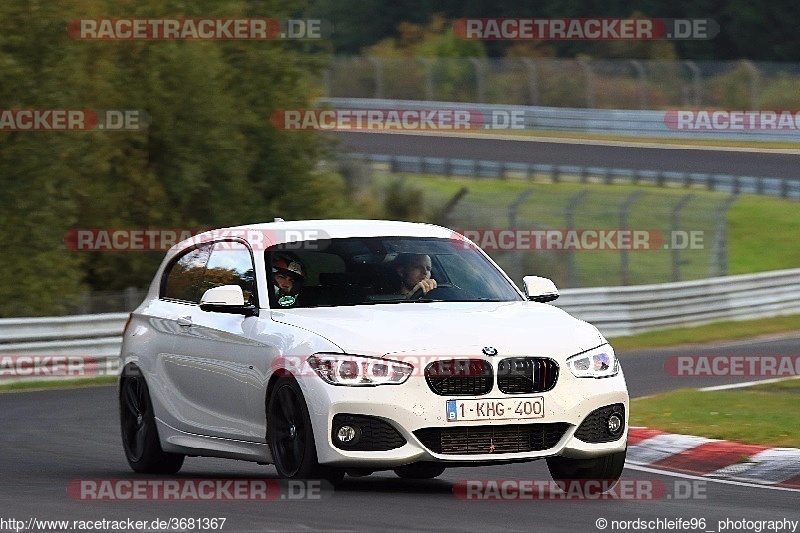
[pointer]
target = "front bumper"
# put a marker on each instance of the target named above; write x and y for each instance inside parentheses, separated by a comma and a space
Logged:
(412, 406)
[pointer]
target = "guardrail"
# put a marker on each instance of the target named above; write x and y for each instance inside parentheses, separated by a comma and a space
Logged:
(82, 345)
(621, 122)
(475, 168)
(616, 311)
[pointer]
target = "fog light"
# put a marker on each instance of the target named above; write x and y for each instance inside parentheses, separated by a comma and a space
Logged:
(346, 434)
(614, 424)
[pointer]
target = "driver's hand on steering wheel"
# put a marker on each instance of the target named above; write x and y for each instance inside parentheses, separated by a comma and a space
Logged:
(426, 285)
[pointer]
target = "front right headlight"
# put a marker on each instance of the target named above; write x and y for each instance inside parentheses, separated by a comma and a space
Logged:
(600, 362)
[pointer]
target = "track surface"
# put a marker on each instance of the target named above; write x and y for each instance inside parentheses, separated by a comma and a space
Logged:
(50, 438)
(779, 165)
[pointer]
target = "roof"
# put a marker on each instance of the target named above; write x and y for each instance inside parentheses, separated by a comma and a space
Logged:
(270, 233)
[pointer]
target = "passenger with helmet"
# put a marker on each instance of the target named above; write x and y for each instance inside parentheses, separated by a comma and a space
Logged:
(289, 274)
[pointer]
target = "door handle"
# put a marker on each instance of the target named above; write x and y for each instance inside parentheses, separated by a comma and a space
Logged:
(185, 321)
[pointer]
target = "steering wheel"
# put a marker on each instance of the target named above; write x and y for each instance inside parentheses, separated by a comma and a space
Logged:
(417, 294)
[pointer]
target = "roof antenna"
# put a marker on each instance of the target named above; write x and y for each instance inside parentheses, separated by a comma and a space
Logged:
(278, 219)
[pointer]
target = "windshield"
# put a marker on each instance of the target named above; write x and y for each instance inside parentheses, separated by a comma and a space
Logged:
(373, 270)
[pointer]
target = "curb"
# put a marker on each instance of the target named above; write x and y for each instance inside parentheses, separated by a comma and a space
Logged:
(763, 465)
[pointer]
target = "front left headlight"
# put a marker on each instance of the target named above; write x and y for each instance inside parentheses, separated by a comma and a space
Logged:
(600, 362)
(344, 369)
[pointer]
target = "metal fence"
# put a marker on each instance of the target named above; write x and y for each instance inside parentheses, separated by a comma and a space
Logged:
(97, 302)
(682, 236)
(532, 227)
(580, 83)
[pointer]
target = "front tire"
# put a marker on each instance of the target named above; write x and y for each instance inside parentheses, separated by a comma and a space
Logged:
(291, 437)
(606, 469)
(139, 433)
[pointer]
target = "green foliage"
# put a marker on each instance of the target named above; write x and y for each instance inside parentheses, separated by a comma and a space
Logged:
(209, 157)
(780, 93)
(434, 50)
(748, 30)
(403, 200)
(727, 89)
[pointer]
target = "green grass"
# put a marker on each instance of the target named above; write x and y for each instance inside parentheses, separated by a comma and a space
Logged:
(718, 331)
(763, 415)
(760, 230)
(56, 384)
(785, 385)
(763, 234)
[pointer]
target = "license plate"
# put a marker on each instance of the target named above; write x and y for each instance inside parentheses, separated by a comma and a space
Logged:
(495, 409)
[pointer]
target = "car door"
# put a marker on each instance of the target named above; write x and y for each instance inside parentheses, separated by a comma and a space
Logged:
(217, 368)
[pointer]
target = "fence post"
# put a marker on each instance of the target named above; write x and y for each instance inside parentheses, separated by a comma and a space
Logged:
(533, 80)
(674, 224)
(642, 83)
(569, 212)
(513, 209)
(755, 83)
(480, 82)
(696, 81)
(326, 81)
(587, 71)
(378, 75)
(720, 255)
(444, 215)
(428, 77)
(624, 267)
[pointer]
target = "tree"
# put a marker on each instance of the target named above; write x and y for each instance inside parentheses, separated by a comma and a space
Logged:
(208, 158)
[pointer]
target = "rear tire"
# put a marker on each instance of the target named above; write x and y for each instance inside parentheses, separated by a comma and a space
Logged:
(606, 469)
(291, 437)
(139, 432)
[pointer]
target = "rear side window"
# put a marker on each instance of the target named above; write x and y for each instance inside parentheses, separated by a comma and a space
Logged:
(184, 278)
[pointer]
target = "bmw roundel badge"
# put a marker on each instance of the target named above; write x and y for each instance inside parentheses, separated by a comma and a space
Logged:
(489, 350)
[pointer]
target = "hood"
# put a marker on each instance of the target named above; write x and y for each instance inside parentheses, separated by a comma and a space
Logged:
(447, 328)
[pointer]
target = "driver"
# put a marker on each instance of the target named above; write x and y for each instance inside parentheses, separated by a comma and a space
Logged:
(414, 271)
(289, 274)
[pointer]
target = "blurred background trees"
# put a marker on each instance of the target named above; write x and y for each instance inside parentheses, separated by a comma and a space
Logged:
(209, 156)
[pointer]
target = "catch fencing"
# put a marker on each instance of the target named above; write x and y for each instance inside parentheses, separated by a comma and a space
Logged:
(576, 83)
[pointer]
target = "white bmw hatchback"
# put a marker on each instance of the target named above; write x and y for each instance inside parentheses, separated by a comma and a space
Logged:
(333, 346)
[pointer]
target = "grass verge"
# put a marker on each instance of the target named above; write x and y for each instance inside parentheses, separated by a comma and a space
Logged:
(758, 227)
(718, 331)
(56, 384)
(763, 415)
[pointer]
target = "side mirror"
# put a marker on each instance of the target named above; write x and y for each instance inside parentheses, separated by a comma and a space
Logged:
(540, 289)
(226, 299)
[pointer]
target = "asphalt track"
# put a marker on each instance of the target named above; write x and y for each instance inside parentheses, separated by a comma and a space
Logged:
(782, 164)
(52, 438)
